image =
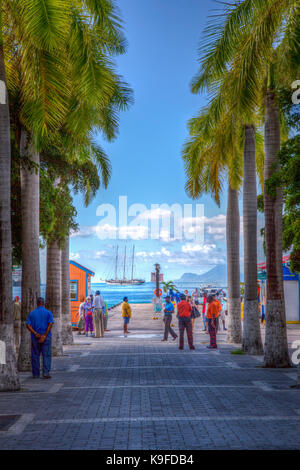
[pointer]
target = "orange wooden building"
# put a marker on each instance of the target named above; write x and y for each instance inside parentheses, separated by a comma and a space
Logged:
(80, 286)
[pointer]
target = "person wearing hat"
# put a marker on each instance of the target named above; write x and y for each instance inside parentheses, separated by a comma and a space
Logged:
(126, 314)
(168, 311)
(99, 308)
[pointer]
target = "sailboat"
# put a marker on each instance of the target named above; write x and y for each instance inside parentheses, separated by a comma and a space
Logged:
(124, 281)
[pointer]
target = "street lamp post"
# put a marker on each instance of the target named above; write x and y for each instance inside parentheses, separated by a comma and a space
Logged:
(157, 272)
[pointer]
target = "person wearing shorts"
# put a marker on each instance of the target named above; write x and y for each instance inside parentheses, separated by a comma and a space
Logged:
(126, 314)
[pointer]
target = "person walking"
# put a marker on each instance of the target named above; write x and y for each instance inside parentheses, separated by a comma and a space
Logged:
(99, 308)
(88, 317)
(212, 314)
(39, 323)
(126, 314)
(17, 324)
(204, 305)
(168, 311)
(184, 310)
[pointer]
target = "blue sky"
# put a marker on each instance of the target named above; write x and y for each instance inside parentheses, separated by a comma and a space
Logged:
(163, 38)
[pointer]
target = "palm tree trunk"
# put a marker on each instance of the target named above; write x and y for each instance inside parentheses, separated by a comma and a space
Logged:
(66, 327)
(8, 372)
(53, 294)
(234, 334)
(30, 206)
(252, 343)
(276, 345)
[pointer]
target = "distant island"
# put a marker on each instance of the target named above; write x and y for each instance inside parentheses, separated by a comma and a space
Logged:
(218, 274)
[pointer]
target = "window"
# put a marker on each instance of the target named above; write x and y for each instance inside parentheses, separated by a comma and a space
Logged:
(73, 290)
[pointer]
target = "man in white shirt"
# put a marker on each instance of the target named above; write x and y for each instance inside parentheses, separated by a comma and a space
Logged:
(98, 320)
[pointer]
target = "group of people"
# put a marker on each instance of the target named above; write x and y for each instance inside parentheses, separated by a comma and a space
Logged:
(187, 312)
(223, 309)
(93, 315)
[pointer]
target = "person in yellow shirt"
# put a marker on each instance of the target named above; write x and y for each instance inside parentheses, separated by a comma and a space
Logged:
(126, 314)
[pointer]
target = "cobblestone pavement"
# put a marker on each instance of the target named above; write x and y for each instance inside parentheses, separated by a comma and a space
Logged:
(140, 393)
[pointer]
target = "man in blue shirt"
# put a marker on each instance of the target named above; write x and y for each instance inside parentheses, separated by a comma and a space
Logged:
(39, 323)
(169, 309)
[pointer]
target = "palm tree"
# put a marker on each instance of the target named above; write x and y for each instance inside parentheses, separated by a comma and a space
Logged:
(8, 372)
(58, 219)
(37, 79)
(30, 204)
(252, 343)
(244, 45)
(86, 174)
(168, 285)
(53, 294)
(66, 325)
(234, 334)
(58, 52)
(212, 152)
(276, 345)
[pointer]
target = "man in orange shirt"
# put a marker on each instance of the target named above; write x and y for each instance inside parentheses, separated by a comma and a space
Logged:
(184, 310)
(216, 299)
(212, 314)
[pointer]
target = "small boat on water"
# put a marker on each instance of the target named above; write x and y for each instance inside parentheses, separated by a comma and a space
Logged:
(209, 290)
(125, 281)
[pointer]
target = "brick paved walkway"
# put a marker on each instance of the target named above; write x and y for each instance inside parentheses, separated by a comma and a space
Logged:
(140, 393)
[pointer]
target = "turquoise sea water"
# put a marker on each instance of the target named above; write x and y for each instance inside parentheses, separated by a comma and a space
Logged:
(136, 294)
(113, 294)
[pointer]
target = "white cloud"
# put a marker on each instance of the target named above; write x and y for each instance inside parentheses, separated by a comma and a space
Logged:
(138, 232)
(189, 255)
(196, 248)
(154, 254)
(74, 256)
(214, 228)
(154, 214)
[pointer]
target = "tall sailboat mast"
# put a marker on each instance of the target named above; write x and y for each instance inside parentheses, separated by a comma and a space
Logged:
(124, 272)
(132, 267)
(116, 270)
(118, 265)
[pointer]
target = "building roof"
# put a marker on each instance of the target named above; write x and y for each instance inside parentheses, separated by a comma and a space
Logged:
(262, 266)
(87, 270)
